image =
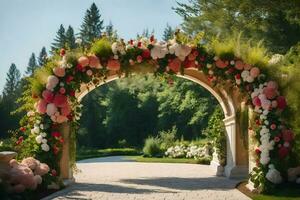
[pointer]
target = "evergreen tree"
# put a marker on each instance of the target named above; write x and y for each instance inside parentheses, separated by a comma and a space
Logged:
(60, 40)
(168, 33)
(42, 59)
(109, 29)
(92, 25)
(32, 65)
(12, 81)
(70, 38)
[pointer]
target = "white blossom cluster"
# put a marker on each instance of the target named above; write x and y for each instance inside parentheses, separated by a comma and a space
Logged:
(39, 131)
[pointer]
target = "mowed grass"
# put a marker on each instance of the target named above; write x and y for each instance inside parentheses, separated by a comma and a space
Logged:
(94, 153)
(169, 160)
(281, 194)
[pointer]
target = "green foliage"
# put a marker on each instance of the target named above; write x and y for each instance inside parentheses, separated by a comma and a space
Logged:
(42, 59)
(275, 22)
(216, 132)
(152, 147)
(102, 48)
(59, 40)
(70, 38)
(167, 138)
(168, 33)
(32, 65)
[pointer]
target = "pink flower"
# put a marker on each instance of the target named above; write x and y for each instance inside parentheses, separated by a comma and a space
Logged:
(65, 111)
(239, 65)
(41, 106)
(139, 59)
(113, 64)
(274, 104)
(221, 64)
(83, 61)
(94, 62)
(273, 126)
(62, 90)
(59, 71)
(254, 72)
(270, 92)
(281, 102)
(48, 96)
(247, 66)
(60, 100)
(256, 101)
(89, 72)
(272, 84)
(175, 64)
(61, 119)
(51, 109)
(276, 139)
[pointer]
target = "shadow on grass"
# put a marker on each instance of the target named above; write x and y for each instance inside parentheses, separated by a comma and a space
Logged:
(218, 183)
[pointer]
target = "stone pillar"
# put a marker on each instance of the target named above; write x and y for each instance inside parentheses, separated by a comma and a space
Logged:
(66, 173)
(232, 169)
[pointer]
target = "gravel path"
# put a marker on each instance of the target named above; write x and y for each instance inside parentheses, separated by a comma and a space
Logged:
(114, 178)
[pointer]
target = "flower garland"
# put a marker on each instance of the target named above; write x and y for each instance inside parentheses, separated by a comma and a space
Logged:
(57, 103)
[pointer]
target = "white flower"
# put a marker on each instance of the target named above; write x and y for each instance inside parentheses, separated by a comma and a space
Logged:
(180, 50)
(118, 47)
(45, 147)
(208, 65)
(276, 58)
(245, 74)
(78, 41)
(286, 144)
(42, 126)
(44, 141)
(43, 134)
(39, 139)
(159, 50)
(274, 176)
(30, 113)
(36, 129)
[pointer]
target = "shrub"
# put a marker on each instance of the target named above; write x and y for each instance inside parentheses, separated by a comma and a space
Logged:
(152, 147)
(168, 138)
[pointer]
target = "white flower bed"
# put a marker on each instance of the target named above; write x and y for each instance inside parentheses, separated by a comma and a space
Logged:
(191, 151)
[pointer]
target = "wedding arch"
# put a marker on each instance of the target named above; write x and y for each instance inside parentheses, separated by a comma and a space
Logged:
(232, 75)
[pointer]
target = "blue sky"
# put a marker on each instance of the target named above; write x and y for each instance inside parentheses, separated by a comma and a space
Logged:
(28, 25)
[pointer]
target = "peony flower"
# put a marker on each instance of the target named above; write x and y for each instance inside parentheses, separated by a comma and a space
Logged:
(270, 92)
(52, 81)
(159, 50)
(113, 64)
(89, 72)
(239, 65)
(83, 61)
(51, 109)
(45, 147)
(48, 96)
(254, 72)
(180, 50)
(41, 106)
(59, 71)
(94, 62)
(274, 176)
(221, 64)
(175, 64)
(60, 100)
(65, 111)
(281, 102)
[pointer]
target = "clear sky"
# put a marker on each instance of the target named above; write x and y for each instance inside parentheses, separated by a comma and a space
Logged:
(28, 25)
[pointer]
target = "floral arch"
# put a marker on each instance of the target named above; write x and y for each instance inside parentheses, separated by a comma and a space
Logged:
(233, 76)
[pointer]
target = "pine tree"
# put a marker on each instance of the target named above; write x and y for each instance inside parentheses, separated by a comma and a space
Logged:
(92, 25)
(70, 38)
(168, 33)
(60, 40)
(12, 81)
(42, 59)
(32, 65)
(109, 29)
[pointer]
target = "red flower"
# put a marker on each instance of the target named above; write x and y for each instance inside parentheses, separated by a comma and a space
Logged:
(287, 135)
(139, 59)
(281, 102)
(72, 93)
(55, 150)
(152, 38)
(20, 140)
(221, 64)
(23, 129)
(62, 52)
(257, 151)
(283, 152)
(146, 54)
(174, 65)
(79, 68)
(238, 76)
(139, 44)
(131, 42)
(61, 140)
(60, 100)
(69, 79)
(257, 122)
(56, 134)
(53, 172)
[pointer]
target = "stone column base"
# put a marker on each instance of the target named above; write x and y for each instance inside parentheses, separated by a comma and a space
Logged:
(68, 182)
(219, 169)
(236, 172)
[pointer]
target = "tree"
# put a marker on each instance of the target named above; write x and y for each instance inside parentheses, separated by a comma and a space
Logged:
(275, 22)
(109, 29)
(92, 25)
(42, 59)
(12, 81)
(70, 38)
(59, 40)
(32, 65)
(168, 33)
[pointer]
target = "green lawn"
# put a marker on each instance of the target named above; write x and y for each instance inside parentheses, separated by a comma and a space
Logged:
(94, 153)
(281, 194)
(169, 160)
